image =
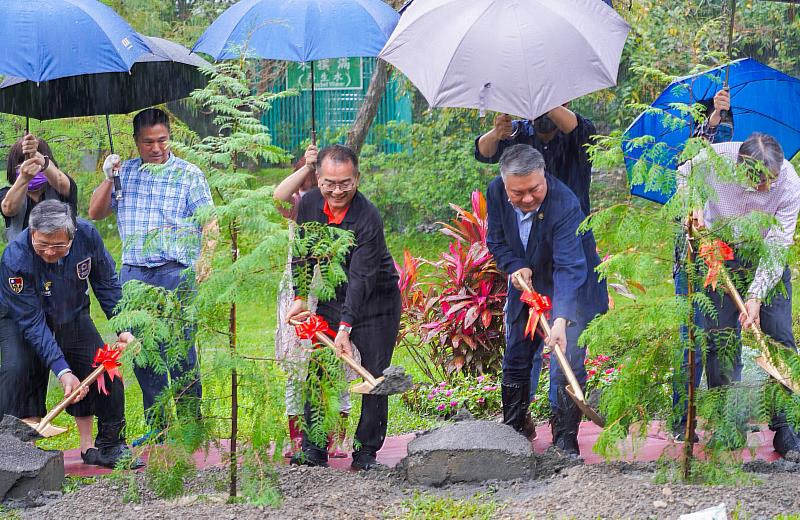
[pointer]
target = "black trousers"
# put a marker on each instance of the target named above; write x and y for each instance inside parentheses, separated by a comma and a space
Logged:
(79, 341)
(375, 335)
(23, 376)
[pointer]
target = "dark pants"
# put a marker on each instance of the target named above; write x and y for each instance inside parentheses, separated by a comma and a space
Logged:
(776, 322)
(23, 376)
(521, 351)
(79, 341)
(375, 334)
(170, 276)
(680, 387)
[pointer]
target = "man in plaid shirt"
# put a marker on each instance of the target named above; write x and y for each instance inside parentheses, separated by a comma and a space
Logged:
(157, 217)
(774, 191)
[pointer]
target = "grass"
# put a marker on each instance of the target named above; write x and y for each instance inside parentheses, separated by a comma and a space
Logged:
(424, 506)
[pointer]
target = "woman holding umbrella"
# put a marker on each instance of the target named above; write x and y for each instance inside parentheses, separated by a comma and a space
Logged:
(23, 377)
(34, 176)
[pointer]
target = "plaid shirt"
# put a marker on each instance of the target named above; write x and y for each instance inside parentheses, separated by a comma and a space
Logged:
(154, 216)
(782, 201)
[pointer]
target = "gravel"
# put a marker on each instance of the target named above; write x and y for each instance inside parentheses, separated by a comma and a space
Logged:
(614, 490)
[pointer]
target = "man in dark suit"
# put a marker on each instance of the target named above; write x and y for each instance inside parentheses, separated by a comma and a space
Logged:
(533, 231)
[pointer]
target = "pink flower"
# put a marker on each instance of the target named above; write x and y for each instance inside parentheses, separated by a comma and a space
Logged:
(609, 371)
(453, 403)
(440, 407)
(448, 393)
(592, 372)
(442, 384)
(430, 397)
(434, 391)
(481, 378)
(492, 388)
(481, 400)
(487, 388)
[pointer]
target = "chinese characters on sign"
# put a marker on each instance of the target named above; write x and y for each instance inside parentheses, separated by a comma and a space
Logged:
(330, 74)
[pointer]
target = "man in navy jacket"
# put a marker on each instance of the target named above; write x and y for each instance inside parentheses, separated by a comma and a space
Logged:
(533, 231)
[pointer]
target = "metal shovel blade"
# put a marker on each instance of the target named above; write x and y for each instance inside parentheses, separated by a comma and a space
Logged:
(48, 430)
(587, 410)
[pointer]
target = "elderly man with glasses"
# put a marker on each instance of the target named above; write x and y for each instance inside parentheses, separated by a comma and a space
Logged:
(46, 272)
(366, 308)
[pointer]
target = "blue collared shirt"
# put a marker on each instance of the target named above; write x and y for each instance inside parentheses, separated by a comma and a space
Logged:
(155, 215)
(524, 224)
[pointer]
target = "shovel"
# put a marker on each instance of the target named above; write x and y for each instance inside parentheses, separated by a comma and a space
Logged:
(394, 380)
(573, 388)
(43, 428)
(763, 360)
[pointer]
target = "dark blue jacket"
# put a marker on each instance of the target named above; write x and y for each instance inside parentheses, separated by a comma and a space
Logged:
(39, 294)
(562, 261)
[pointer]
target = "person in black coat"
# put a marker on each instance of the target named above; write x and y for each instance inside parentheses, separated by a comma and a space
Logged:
(533, 231)
(366, 309)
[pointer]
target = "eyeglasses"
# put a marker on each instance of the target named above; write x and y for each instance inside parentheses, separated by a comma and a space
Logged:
(56, 248)
(343, 186)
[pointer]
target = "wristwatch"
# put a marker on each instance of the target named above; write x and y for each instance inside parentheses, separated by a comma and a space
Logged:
(345, 328)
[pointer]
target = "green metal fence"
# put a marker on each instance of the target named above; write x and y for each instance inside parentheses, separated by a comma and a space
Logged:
(289, 120)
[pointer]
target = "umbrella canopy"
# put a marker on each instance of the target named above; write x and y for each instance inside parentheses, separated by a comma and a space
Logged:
(48, 39)
(520, 57)
(762, 100)
(299, 30)
(167, 73)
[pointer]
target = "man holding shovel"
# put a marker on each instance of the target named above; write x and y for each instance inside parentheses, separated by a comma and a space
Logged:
(46, 271)
(533, 235)
(366, 309)
(773, 188)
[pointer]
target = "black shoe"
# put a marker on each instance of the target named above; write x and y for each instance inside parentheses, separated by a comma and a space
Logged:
(787, 444)
(515, 405)
(366, 462)
(110, 456)
(302, 458)
(564, 423)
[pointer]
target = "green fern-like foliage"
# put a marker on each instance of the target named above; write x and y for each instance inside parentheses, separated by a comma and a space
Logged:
(327, 247)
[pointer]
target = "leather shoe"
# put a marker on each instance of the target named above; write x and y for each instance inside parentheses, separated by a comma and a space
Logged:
(303, 459)
(366, 462)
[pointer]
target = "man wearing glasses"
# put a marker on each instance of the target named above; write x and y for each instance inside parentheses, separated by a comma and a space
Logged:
(366, 308)
(46, 272)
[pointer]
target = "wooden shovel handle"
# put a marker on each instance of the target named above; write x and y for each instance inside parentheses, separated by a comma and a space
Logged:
(562, 359)
(328, 342)
(60, 407)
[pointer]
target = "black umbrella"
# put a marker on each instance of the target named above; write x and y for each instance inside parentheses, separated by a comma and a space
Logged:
(169, 73)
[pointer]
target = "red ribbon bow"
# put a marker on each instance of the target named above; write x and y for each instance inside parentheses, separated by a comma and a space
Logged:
(714, 254)
(109, 358)
(539, 305)
(309, 328)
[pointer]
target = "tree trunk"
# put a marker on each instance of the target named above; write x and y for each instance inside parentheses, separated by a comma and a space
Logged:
(369, 108)
(234, 376)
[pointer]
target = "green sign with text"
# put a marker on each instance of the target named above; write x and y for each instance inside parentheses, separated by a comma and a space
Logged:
(331, 74)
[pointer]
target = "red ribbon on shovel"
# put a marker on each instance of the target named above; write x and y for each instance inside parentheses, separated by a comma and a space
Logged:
(109, 358)
(309, 328)
(538, 304)
(714, 254)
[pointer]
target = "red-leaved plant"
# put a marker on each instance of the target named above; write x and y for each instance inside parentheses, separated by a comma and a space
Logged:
(453, 315)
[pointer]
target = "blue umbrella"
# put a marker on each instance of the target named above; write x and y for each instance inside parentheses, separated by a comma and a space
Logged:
(49, 39)
(762, 100)
(300, 30)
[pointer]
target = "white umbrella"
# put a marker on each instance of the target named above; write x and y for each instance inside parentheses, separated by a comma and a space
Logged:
(519, 57)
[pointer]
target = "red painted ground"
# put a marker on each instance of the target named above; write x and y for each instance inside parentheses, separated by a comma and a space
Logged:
(394, 449)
